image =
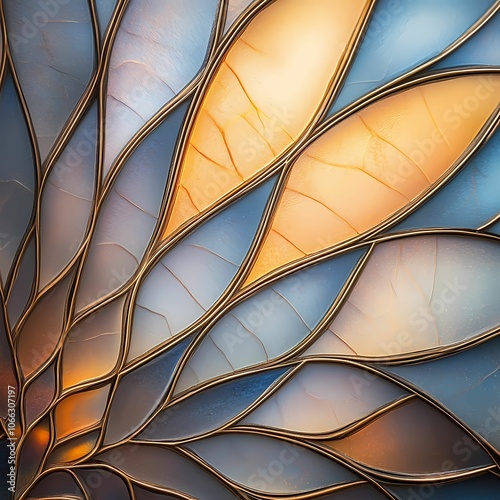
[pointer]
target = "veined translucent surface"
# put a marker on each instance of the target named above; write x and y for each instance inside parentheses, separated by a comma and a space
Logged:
(415, 294)
(255, 107)
(322, 398)
(190, 278)
(80, 411)
(67, 199)
(462, 383)
(413, 438)
(42, 330)
(210, 409)
(92, 346)
(159, 48)
(164, 467)
(270, 323)
(17, 175)
(469, 200)
(140, 392)
(482, 48)
(240, 457)
(210, 289)
(129, 213)
(374, 163)
(53, 50)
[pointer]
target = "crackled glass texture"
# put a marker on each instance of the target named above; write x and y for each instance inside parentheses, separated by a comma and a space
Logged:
(249, 249)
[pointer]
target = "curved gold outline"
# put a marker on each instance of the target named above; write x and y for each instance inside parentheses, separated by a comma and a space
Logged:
(468, 33)
(337, 303)
(336, 459)
(274, 165)
(141, 273)
(491, 124)
(339, 433)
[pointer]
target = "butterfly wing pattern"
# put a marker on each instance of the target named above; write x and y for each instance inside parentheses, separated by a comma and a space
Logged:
(249, 249)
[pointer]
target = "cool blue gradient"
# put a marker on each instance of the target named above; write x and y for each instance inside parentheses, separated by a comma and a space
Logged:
(403, 34)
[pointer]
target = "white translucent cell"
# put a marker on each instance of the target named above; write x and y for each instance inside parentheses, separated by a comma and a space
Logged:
(322, 398)
(67, 200)
(159, 48)
(190, 278)
(269, 323)
(418, 293)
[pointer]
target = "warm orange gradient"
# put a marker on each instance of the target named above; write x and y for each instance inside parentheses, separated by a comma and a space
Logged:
(262, 97)
(40, 436)
(374, 163)
(413, 438)
(80, 411)
(74, 450)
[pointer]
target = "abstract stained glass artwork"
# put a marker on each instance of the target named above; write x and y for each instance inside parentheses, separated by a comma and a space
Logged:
(250, 249)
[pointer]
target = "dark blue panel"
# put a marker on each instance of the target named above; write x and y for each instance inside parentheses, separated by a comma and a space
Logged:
(17, 176)
(140, 392)
(209, 409)
(486, 487)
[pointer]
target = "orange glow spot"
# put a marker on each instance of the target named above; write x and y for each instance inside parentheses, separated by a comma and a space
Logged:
(79, 411)
(40, 436)
(75, 452)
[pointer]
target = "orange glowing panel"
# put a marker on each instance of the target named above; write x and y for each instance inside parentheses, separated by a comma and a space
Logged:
(413, 438)
(80, 411)
(374, 163)
(263, 96)
(75, 449)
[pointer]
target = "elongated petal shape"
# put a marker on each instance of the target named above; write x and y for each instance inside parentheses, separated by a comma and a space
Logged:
(54, 55)
(416, 294)
(372, 164)
(262, 97)
(159, 48)
(270, 323)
